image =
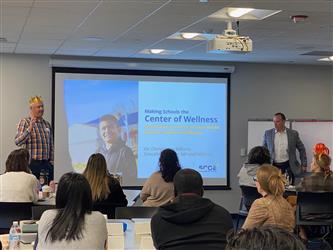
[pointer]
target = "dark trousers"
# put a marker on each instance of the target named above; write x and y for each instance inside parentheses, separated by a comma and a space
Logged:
(285, 167)
(42, 167)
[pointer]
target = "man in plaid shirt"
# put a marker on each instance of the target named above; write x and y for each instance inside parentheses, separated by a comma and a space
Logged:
(35, 134)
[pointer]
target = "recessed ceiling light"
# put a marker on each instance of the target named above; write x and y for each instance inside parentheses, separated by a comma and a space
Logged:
(192, 36)
(237, 12)
(228, 13)
(160, 52)
(156, 51)
(189, 35)
(326, 59)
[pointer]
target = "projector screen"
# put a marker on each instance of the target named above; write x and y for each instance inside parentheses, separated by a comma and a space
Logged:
(130, 117)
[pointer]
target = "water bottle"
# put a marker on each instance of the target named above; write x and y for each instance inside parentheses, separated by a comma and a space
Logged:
(14, 236)
(286, 175)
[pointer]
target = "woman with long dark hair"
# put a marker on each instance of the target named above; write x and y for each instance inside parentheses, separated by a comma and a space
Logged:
(106, 190)
(17, 184)
(158, 189)
(72, 225)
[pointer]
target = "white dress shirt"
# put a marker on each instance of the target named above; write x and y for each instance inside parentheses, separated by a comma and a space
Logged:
(281, 146)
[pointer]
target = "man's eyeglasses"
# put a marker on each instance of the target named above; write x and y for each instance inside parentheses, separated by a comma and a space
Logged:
(255, 179)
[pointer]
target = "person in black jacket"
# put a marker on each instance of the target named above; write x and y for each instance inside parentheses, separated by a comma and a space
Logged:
(190, 221)
(107, 193)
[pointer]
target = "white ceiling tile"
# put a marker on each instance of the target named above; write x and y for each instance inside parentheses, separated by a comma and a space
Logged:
(7, 47)
(113, 18)
(16, 3)
(50, 19)
(12, 21)
(129, 26)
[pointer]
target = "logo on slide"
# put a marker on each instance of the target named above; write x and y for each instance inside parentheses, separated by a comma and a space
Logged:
(207, 168)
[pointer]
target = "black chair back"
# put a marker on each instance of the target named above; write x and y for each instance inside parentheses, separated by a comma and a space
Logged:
(106, 208)
(13, 211)
(249, 195)
(314, 208)
(135, 212)
(37, 211)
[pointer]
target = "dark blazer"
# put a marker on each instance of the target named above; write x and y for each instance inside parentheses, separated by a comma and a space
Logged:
(116, 198)
(294, 142)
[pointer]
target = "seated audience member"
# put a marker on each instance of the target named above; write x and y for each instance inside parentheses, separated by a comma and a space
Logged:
(105, 189)
(272, 208)
(266, 237)
(72, 225)
(158, 189)
(17, 184)
(190, 221)
(257, 156)
(321, 178)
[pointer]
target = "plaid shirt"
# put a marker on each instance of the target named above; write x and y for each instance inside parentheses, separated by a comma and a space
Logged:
(316, 182)
(39, 142)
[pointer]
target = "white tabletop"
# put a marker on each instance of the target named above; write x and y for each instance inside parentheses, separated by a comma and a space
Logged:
(132, 240)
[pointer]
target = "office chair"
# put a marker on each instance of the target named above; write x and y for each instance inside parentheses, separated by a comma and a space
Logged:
(13, 211)
(37, 211)
(315, 209)
(249, 195)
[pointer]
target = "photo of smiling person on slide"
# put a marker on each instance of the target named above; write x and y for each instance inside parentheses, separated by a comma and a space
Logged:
(119, 157)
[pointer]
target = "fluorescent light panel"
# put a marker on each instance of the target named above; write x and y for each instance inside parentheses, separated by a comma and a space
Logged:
(160, 52)
(228, 13)
(326, 59)
(237, 12)
(188, 35)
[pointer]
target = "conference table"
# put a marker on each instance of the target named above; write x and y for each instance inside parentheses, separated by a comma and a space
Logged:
(131, 196)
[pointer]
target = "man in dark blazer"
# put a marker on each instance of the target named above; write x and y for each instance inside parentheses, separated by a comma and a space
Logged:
(282, 143)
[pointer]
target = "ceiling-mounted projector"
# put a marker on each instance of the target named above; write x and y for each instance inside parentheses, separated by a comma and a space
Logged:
(230, 42)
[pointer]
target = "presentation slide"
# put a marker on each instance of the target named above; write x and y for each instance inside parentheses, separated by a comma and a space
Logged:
(131, 119)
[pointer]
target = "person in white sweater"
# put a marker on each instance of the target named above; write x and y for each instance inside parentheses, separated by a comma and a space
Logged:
(17, 184)
(73, 224)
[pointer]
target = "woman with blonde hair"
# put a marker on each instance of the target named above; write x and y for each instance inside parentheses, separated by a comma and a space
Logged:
(106, 190)
(321, 178)
(272, 208)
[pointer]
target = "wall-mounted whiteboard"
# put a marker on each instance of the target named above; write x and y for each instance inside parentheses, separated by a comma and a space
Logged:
(256, 130)
(312, 132)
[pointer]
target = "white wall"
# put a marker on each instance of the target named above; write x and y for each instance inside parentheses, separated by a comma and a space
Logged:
(257, 91)
(20, 78)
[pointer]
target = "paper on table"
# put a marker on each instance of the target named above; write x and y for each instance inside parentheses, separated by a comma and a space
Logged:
(142, 226)
(146, 243)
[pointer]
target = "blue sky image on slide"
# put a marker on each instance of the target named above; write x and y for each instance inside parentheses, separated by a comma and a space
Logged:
(87, 100)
